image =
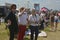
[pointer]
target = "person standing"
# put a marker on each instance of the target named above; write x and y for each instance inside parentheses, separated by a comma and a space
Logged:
(34, 22)
(56, 21)
(52, 21)
(42, 21)
(12, 22)
(22, 21)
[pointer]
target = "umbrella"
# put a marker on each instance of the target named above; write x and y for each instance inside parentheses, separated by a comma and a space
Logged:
(44, 9)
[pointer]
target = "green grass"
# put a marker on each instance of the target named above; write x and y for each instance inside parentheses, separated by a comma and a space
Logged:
(4, 34)
(47, 29)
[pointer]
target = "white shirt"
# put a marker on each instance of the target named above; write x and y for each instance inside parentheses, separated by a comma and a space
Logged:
(23, 18)
(34, 19)
(2, 19)
(42, 14)
(55, 17)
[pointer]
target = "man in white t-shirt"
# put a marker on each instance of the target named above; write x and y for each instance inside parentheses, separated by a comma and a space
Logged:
(22, 21)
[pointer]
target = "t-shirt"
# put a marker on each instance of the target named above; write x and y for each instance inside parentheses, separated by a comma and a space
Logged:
(55, 17)
(23, 18)
(34, 18)
(42, 14)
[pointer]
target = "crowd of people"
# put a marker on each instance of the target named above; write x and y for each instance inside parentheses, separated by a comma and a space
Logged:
(17, 24)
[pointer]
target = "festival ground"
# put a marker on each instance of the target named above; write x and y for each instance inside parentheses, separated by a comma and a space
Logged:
(50, 35)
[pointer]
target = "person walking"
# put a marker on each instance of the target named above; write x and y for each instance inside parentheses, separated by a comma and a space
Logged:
(22, 22)
(34, 22)
(12, 22)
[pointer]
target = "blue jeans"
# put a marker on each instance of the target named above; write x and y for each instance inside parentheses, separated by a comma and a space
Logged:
(34, 30)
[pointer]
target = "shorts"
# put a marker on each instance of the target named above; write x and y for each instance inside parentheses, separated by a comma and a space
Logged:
(56, 20)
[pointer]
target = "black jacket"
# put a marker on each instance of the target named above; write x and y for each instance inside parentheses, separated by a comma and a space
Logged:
(14, 23)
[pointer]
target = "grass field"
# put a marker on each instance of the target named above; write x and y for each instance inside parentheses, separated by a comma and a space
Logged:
(4, 34)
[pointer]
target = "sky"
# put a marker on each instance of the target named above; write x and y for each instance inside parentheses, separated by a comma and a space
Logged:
(51, 4)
